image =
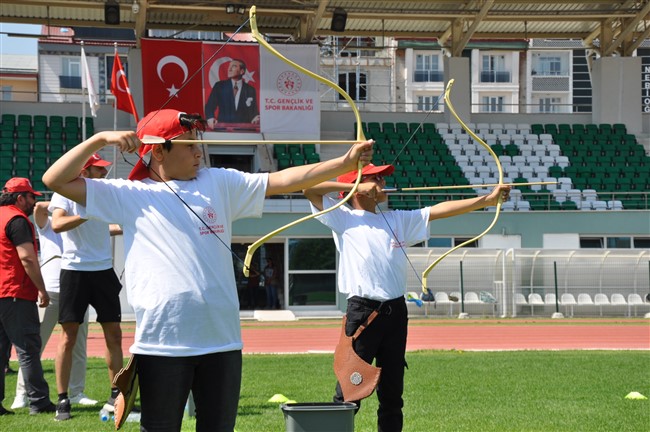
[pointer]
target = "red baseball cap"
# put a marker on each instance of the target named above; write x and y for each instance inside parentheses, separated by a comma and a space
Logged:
(96, 160)
(163, 123)
(19, 184)
(370, 169)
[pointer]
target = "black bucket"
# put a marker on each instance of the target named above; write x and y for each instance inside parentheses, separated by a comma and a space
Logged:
(319, 416)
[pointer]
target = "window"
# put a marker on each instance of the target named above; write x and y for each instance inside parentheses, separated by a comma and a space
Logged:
(355, 88)
(615, 242)
(461, 240)
(427, 68)
(592, 242)
(312, 272)
(239, 162)
(6, 93)
(428, 103)
(642, 242)
(619, 242)
(492, 104)
(549, 65)
(550, 104)
(70, 77)
(442, 242)
(494, 69)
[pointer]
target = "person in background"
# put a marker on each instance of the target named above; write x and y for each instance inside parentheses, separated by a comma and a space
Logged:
(252, 285)
(373, 269)
(177, 219)
(87, 278)
(50, 262)
(271, 284)
(21, 286)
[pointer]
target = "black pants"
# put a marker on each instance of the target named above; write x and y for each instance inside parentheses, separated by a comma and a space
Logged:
(165, 383)
(384, 341)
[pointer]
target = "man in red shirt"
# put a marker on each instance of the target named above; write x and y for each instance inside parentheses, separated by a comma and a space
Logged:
(21, 286)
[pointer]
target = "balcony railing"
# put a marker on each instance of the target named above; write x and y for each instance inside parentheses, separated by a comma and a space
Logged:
(428, 76)
(70, 82)
(495, 76)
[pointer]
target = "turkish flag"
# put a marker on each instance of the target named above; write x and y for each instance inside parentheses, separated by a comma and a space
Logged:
(171, 76)
(120, 89)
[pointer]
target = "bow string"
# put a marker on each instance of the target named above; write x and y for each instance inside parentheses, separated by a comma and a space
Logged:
(359, 137)
(478, 139)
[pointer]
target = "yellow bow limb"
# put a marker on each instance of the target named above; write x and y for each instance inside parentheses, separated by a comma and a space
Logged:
(359, 135)
(471, 133)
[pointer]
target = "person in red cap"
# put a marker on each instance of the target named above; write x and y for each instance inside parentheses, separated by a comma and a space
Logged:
(21, 286)
(177, 219)
(87, 279)
(373, 269)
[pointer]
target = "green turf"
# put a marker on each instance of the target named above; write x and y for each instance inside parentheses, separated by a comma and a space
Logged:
(445, 390)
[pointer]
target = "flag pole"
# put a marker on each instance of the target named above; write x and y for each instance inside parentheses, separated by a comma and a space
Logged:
(115, 120)
(83, 99)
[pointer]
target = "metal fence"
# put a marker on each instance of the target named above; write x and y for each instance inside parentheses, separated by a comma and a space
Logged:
(533, 282)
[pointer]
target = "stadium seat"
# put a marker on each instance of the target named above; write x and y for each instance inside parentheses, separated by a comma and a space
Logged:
(635, 301)
(568, 301)
(584, 299)
(534, 299)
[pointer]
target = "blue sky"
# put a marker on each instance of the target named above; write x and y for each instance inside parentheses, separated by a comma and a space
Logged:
(18, 45)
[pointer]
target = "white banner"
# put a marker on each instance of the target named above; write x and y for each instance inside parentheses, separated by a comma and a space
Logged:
(289, 99)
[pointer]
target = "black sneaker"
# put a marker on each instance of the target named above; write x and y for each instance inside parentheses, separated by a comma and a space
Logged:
(49, 408)
(5, 411)
(63, 410)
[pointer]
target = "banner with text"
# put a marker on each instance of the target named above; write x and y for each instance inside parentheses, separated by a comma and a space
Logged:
(241, 88)
(289, 100)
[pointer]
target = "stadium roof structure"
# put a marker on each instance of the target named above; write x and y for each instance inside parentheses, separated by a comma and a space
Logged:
(620, 26)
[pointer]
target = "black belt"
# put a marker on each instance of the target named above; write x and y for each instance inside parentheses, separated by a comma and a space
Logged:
(383, 307)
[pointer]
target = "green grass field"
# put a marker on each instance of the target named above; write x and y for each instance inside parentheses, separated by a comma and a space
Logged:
(445, 391)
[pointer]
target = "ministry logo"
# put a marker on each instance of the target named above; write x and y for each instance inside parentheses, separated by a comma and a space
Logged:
(289, 83)
(209, 215)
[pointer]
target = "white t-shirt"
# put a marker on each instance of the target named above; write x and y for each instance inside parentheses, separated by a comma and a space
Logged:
(372, 263)
(86, 247)
(179, 277)
(51, 247)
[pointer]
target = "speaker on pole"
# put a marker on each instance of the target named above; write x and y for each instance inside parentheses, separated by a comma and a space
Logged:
(339, 17)
(111, 13)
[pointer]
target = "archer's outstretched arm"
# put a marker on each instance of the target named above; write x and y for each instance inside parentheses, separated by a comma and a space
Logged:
(454, 208)
(302, 177)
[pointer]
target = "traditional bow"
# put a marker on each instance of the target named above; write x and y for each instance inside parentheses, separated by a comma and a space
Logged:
(471, 133)
(359, 135)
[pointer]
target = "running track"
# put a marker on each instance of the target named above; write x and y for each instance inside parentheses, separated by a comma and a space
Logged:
(322, 336)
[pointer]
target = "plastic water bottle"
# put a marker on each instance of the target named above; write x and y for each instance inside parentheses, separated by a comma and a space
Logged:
(104, 415)
(133, 417)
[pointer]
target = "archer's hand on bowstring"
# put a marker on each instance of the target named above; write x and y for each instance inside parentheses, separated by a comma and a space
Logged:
(493, 197)
(125, 141)
(359, 153)
(372, 189)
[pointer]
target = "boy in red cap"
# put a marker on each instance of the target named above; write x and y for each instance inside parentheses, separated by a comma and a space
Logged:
(87, 279)
(21, 286)
(372, 272)
(177, 221)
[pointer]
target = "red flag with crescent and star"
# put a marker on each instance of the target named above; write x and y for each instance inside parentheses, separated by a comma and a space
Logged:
(120, 88)
(169, 75)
